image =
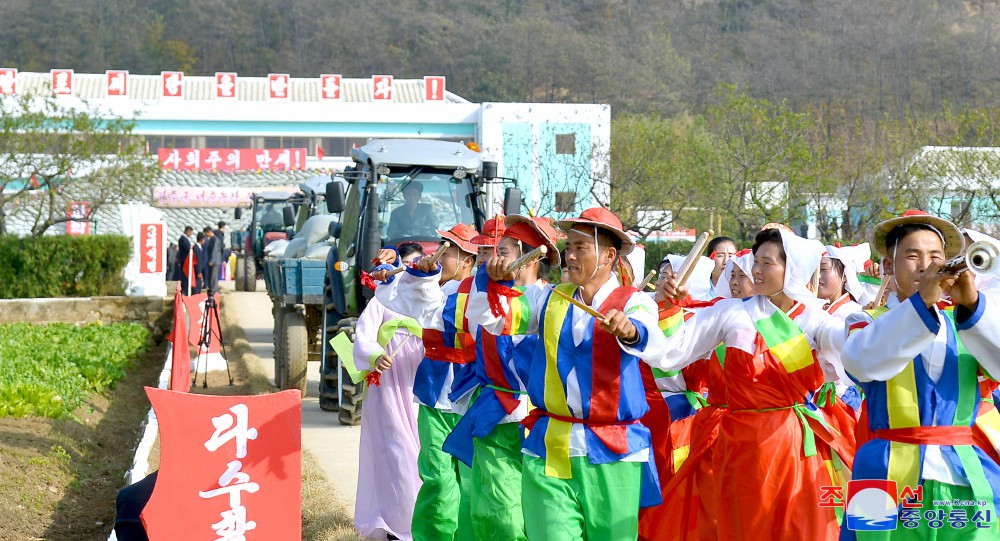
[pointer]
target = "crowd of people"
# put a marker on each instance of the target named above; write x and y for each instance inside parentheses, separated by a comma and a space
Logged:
(746, 401)
(197, 261)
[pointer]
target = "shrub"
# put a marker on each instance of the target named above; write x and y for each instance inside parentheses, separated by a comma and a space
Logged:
(49, 370)
(63, 266)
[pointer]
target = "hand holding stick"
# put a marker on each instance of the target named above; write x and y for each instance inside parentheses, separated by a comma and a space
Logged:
(527, 259)
(428, 264)
(579, 304)
(645, 281)
(692, 258)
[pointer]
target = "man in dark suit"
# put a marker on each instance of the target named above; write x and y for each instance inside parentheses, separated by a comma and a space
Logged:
(183, 249)
(201, 264)
(213, 253)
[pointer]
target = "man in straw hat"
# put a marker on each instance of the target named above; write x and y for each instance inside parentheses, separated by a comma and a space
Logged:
(585, 469)
(918, 366)
(434, 295)
(489, 436)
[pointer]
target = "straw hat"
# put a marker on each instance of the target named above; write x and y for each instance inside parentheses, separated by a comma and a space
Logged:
(604, 219)
(954, 243)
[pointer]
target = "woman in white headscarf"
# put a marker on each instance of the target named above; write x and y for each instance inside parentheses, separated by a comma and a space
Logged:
(838, 279)
(779, 346)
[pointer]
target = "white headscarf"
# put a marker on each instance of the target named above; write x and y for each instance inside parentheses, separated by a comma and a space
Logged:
(802, 257)
(745, 263)
(701, 277)
(854, 259)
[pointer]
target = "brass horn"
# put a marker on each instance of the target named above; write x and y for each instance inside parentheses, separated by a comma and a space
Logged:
(982, 258)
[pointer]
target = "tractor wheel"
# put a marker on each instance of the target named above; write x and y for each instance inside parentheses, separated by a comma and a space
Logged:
(249, 277)
(238, 275)
(296, 351)
(280, 375)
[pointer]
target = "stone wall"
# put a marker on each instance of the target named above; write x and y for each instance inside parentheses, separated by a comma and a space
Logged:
(154, 312)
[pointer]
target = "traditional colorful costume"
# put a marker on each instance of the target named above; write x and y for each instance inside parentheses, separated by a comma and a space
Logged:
(388, 480)
(774, 450)
(586, 467)
(442, 508)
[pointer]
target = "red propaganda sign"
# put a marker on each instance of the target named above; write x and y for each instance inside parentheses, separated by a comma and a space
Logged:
(382, 87)
(224, 462)
(330, 86)
(278, 86)
(117, 82)
(225, 85)
(180, 357)
(195, 307)
(8, 81)
(151, 248)
(172, 84)
(77, 212)
(62, 82)
(434, 88)
(232, 159)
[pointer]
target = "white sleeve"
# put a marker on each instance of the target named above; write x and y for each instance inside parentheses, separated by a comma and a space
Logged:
(643, 312)
(980, 331)
(366, 335)
(696, 337)
(829, 336)
(878, 349)
(416, 296)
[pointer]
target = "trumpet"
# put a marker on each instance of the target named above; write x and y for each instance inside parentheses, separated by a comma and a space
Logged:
(982, 258)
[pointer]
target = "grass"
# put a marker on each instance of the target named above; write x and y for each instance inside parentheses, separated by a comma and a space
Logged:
(51, 370)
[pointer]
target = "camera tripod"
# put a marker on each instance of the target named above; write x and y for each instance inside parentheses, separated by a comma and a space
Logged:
(205, 340)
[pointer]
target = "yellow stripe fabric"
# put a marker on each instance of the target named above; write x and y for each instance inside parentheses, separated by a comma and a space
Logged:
(901, 399)
(794, 353)
(904, 464)
(680, 455)
(557, 462)
(671, 324)
(460, 303)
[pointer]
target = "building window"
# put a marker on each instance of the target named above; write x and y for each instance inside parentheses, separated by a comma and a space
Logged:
(565, 201)
(566, 143)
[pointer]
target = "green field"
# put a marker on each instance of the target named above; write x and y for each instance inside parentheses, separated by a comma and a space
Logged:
(50, 370)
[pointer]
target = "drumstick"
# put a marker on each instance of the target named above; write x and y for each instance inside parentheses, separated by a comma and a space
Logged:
(578, 304)
(882, 291)
(526, 259)
(440, 252)
(692, 258)
(645, 281)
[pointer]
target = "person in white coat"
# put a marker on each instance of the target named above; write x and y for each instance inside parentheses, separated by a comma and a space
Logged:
(388, 481)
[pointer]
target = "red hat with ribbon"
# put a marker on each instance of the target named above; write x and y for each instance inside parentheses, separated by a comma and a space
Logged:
(461, 235)
(534, 232)
(493, 230)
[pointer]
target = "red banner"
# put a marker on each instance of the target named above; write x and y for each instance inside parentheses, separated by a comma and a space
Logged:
(172, 84)
(151, 248)
(433, 88)
(8, 81)
(180, 357)
(232, 159)
(195, 306)
(230, 467)
(117, 82)
(330, 86)
(62, 82)
(77, 211)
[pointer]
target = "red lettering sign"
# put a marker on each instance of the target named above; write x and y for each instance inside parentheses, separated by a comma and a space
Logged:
(195, 307)
(434, 88)
(77, 212)
(225, 85)
(224, 462)
(173, 84)
(382, 87)
(62, 82)
(330, 86)
(232, 159)
(117, 82)
(278, 86)
(8, 81)
(150, 248)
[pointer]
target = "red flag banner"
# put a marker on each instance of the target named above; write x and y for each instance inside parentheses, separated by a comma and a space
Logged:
(230, 467)
(180, 357)
(195, 306)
